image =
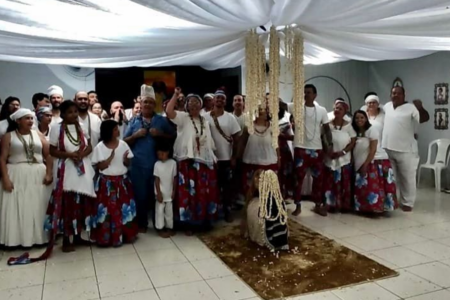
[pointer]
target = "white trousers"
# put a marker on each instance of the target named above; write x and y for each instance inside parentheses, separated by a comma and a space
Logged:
(404, 165)
(164, 215)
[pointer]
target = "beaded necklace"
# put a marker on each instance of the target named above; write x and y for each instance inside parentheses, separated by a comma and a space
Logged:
(29, 148)
(197, 135)
(261, 133)
(76, 141)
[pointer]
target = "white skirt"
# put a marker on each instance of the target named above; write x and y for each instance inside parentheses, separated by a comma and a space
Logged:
(22, 212)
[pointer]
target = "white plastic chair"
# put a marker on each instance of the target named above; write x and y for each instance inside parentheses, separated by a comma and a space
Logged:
(440, 162)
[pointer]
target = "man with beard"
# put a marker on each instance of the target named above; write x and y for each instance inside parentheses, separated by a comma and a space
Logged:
(225, 132)
(89, 122)
(117, 114)
(56, 98)
(238, 110)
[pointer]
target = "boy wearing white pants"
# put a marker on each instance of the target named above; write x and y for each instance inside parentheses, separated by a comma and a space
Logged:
(165, 173)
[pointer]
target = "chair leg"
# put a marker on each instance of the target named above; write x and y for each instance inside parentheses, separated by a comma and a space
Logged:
(437, 179)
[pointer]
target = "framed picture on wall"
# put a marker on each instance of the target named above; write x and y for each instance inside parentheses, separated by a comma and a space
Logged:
(441, 93)
(441, 118)
(397, 82)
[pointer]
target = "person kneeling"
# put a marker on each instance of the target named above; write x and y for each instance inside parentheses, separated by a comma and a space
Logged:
(265, 215)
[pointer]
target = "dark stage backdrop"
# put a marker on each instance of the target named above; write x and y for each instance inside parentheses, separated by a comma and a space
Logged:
(124, 84)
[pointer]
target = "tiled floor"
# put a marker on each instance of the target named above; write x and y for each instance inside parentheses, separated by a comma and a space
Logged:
(416, 244)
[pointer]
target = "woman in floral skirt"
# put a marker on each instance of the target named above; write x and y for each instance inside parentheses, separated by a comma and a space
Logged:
(375, 190)
(116, 207)
(197, 200)
(337, 187)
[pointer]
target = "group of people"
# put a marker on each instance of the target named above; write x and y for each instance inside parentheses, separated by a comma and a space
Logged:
(67, 167)
(358, 163)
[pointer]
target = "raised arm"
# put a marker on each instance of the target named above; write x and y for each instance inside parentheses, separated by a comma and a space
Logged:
(170, 109)
(424, 116)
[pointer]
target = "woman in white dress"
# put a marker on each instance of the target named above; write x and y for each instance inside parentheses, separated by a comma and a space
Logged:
(26, 180)
(337, 187)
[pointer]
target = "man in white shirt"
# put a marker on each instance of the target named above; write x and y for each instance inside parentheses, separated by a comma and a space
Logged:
(89, 122)
(56, 95)
(400, 124)
(309, 154)
(238, 110)
(225, 132)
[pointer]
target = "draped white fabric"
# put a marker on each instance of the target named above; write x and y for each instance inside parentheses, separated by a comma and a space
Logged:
(211, 33)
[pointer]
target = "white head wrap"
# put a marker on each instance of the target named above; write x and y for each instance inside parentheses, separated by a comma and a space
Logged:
(372, 98)
(220, 93)
(209, 95)
(20, 113)
(55, 90)
(147, 92)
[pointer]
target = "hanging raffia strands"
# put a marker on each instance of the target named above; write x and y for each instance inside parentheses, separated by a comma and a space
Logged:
(254, 76)
(298, 79)
(270, 195)
(274, 83)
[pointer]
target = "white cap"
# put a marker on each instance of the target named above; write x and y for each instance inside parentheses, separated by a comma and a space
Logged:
(55, 90)
(20, 113)
(147, 92)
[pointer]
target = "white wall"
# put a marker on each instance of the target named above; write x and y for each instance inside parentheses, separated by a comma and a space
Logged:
(24, 80)
(353, 75)
(419, 77)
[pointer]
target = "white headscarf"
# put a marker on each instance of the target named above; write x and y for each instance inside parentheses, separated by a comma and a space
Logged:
(147, 91)
(55, 90)
(20, 113)
(372, 98)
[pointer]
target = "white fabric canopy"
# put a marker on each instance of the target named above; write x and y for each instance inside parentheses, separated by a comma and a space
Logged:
(211, 33)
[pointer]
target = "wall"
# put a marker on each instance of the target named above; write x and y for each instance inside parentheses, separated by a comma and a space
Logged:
(353, 75)
(419, 77)
(24, 80)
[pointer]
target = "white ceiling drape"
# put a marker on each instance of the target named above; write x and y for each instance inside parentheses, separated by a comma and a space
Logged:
(211, 33)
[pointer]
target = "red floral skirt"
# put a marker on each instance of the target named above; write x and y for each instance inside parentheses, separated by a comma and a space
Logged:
(75, 213)
(248, 170)
(198, 195)
(337, 188)
(115, 222)
(376, 190)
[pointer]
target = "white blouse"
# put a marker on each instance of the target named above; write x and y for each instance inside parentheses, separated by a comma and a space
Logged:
(259, 150)
(341, 138)
(117, 167)
(188, 144)
(362, 147)
(82, 184)
(378, 126)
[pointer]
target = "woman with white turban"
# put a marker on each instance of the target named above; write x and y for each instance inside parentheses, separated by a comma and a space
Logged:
(26, 180)
(44, 120)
